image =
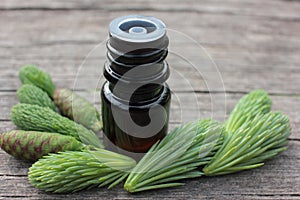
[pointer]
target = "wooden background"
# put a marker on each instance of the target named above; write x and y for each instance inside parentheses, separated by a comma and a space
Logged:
(255, 44)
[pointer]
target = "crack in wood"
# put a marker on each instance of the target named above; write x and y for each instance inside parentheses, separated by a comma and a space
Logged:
(15, 196)
(13, 175)
(290, 0)
(294, 139)
(270, 195)
(235, 92)
(5, 120)
(9, 90)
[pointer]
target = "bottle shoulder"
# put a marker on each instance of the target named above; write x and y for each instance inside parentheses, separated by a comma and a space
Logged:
(162, 98)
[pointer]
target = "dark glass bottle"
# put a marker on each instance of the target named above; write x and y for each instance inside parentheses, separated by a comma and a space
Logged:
(135, 97)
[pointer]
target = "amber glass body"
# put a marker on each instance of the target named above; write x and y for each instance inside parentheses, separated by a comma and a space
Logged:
(150, 91)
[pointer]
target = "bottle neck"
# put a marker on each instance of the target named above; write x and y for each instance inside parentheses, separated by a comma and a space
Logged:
(136, 72)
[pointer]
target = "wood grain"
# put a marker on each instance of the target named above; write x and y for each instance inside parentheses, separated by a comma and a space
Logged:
(256, 47)
(255, 44)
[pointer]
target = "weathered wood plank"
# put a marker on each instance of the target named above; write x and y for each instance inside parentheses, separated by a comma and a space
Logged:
(241, 50)
(60, 27)
(280, 8)
(232, 78)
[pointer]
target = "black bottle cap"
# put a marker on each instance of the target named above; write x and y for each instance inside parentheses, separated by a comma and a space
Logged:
(131, 31)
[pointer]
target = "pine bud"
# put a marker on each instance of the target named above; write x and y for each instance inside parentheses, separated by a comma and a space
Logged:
(77, 108)
(32, 145)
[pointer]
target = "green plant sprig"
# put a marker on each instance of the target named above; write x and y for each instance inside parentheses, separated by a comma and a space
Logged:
(176, 157)
(67, 101)
(31, 94)
(251, 131)
(77, 108)
(255, 141)
(31, 74)
(250, 105)
(72, 171)
(37, 118)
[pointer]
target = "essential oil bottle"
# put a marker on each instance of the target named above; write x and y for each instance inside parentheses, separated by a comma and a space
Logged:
(135, 97)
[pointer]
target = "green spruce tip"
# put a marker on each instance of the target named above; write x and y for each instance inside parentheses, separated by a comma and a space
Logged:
(249, 146)
(32, 145)
(77, 108)
(72, 171)
(251, 104)
(30, 94)
(31, 74)
(37, 118)
(255, 103)
(178, 156)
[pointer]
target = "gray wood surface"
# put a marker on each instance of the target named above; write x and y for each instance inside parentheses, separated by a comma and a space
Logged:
(255, 44)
